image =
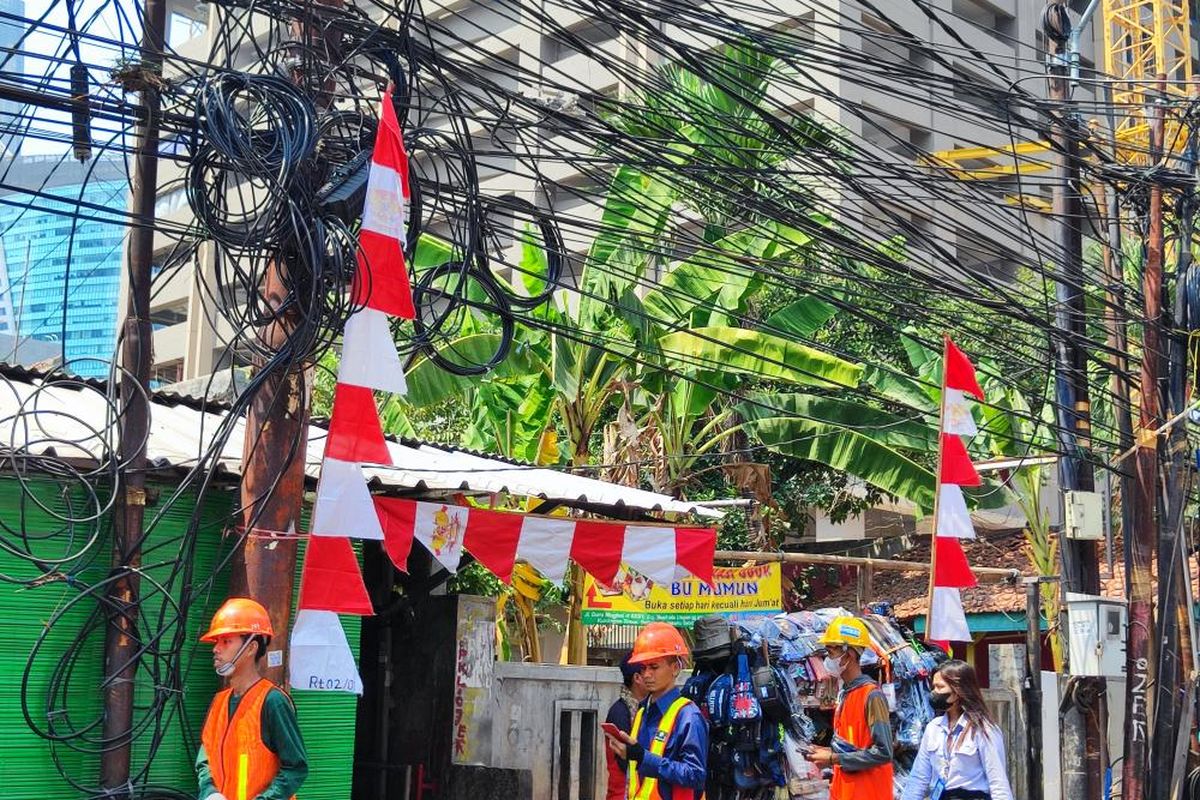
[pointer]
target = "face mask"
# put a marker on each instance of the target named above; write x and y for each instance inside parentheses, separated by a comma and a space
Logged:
(940, 701)
(834, 666)
(226, 669)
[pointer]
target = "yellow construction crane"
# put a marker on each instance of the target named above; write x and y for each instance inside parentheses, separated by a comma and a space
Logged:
(1142, 39)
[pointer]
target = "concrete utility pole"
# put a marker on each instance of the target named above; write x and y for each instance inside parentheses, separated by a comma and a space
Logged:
(276, 442)
(122, 646)
(1080, 558)
(1139, 664)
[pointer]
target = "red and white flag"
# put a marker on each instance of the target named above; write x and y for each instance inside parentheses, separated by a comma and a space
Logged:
(947, 621)
(382, 279)
(331, 582)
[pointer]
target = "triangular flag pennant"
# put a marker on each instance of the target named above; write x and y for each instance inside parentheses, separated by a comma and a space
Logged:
(958, 419)
(354, 430)
(441, 528)
(369, 356)
(951, 568)
(492, 540)
(694, 548)
(397, 518)
(597, 548)
(343, 506)
(331, 580)
(381, 281)
(956, 463)
(320, 658)
(946, 621)
(959, 372)
(651, 551)
(545, 545)
(953, 518)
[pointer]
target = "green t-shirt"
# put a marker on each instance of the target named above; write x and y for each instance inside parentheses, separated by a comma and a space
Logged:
(281, 735)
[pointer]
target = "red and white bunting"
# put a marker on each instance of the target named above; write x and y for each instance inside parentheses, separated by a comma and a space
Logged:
(497, 539)
(953, 518)
(331, 582)
(545, 545)
(331, 579)
(320, 656)
(381, 282)
(950, 572)
(343, 506)
(369, 356)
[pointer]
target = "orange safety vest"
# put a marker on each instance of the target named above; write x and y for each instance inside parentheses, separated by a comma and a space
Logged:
(241, 764)
(850, 723)
(648, 789)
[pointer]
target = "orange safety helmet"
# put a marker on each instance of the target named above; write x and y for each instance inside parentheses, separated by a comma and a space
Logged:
(658, 640)
(239, 615)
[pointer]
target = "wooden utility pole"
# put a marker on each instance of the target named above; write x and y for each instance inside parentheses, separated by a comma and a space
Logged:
(1139, 650)
(122, 645)
(276, 444)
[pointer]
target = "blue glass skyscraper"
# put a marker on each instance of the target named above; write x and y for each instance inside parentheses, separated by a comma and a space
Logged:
(63, 271)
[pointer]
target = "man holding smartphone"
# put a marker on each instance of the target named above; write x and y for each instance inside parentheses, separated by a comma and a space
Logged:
(620, 718)
(667, 748)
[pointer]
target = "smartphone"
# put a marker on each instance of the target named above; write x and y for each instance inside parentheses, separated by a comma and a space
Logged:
(611, 730)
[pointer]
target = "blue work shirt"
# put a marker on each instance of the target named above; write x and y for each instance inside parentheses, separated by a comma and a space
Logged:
(685, 761)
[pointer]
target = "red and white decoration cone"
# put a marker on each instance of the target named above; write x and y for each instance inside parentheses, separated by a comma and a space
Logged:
(950, 572)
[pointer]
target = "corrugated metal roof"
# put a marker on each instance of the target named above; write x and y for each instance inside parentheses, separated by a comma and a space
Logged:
(71, 419)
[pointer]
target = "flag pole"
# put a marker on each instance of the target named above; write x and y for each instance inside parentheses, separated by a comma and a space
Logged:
(937, 491)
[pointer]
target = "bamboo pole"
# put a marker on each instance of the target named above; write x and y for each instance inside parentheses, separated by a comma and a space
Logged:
(992, 574)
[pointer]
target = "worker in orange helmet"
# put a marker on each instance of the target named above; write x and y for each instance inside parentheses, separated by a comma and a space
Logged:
(251, 748)
(667, 749)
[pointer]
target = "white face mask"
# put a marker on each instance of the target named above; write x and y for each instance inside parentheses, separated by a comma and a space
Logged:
(834, 666)
(226, 669)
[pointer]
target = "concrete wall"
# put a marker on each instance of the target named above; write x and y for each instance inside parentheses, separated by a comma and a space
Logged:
(541, 714)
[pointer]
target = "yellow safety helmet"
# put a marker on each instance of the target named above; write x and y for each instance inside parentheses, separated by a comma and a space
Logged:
(848, 632)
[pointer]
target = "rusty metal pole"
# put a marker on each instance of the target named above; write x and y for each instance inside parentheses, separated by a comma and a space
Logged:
(121, 642)
(276, 443)
(1139, 649)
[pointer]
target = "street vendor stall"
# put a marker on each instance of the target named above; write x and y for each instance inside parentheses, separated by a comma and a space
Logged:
(768, 697)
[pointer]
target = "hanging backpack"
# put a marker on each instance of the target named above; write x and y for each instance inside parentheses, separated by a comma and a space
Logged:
(744, 705)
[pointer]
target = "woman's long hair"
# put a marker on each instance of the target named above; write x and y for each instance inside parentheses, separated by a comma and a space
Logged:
(961, 678)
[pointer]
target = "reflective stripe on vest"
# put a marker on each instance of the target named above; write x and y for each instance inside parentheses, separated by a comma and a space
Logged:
(850, 724)
(648, 789)
(241, 764)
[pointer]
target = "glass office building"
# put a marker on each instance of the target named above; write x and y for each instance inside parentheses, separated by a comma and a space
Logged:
(62, 274)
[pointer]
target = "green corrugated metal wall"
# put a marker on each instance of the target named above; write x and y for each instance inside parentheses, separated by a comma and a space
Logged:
(27, 768)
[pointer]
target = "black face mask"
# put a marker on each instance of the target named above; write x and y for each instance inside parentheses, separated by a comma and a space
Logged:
(940, 701)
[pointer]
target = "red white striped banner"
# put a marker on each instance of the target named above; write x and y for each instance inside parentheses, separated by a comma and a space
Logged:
(950, 572)
(497, 539)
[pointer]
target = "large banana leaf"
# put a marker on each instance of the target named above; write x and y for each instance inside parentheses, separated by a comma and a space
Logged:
(906, 432)
(635, 215)
(850, 451)
(802, 318)
(757, 354)
(718, 277)
(429, 384)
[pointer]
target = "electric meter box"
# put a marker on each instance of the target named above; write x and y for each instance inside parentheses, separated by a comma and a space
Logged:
(1096, 641)
(1085, 515)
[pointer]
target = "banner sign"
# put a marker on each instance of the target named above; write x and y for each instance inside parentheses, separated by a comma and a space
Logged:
(736, 593)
